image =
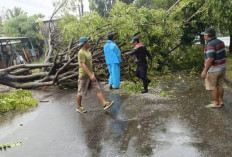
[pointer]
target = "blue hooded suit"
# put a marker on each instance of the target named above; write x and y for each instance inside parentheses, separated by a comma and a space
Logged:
(113, 60)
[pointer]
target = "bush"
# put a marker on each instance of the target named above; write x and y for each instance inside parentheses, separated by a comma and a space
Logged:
(16, 99)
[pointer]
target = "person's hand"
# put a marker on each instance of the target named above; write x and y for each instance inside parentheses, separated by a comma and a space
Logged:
(126, 54)
(203, 74)
(93, 78)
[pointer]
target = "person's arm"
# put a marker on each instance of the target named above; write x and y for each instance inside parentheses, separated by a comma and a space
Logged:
(148, 54)
(82, 61)
(208, 64)
(117, 52)
(91, 75)
(210, 54)
(132, 52)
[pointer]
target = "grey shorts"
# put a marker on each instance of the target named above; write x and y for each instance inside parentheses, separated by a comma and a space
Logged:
(85, 85)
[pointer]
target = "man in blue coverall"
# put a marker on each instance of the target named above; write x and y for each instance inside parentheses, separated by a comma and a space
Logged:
(113, 60)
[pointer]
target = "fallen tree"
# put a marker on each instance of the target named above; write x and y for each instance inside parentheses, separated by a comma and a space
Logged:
(61, 67)
(161, 35)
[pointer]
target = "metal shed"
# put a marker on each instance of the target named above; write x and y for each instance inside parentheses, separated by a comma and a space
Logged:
(16, 50)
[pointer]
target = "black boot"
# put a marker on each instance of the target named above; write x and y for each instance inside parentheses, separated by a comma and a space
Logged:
(144, 91)
(145, 85)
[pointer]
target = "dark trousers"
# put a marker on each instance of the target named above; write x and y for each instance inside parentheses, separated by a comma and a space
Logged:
(141, 72)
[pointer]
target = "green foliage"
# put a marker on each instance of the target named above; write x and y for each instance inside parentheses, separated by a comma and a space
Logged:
(16, 99)
(143, 3)
(191, 57)
(10, 145)
(22, 25)
(164, 94)
(71, 27)
(126, 20)
(16, 11)
(130, 87)
(229, 67)
(168, 38)
(155, 4)
(1, 26)
(103, 7)
(218, 13)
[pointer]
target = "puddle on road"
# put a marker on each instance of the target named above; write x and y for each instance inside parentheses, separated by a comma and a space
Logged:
(149, 125)
(167, 128)
(157, 132)
(174, 139)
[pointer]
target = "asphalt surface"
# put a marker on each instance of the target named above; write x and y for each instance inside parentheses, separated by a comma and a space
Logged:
(136, 126)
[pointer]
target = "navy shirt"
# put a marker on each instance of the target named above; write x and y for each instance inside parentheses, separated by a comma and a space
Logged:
(215, 48)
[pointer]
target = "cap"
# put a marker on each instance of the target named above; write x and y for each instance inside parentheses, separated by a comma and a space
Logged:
(209, 31)
(82, 40)
(135, 39)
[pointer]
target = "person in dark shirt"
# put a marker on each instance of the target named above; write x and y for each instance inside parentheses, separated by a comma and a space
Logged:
(141, 53)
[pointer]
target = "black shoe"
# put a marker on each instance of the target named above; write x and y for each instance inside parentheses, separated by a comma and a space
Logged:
(144, 91)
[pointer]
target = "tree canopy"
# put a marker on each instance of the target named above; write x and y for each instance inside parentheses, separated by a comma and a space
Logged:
(218, 13)
(168, 31)
(1, 26)
(16, 11)
(103, 7)
(22, 25)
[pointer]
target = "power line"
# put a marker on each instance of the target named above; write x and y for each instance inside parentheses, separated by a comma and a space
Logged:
(34, 4)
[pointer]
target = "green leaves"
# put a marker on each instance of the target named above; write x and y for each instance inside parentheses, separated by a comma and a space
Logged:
(219, 13)
(21, 25)
(10, 145)
(16, 99)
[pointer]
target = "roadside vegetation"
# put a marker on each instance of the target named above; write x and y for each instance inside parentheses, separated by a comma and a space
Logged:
(229, 67)
(169, 29)
(16, 99)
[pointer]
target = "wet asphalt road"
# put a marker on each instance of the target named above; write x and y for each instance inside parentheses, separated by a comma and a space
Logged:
(136, 126)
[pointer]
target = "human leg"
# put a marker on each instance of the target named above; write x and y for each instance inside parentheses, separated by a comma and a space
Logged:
(116, 75)
(101, 98)
(80, 108)
(143, 75)
(220, 95)
(212, 83)
(79, 98)
(220, 86)
(215, 96)
(83, 83)
(95, 89)
(137, 72)
(110, 77)
(105, 104)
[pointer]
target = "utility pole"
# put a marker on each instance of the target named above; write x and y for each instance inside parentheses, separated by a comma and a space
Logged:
(80, 8)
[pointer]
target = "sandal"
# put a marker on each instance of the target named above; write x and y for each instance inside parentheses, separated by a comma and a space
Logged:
(212, 106)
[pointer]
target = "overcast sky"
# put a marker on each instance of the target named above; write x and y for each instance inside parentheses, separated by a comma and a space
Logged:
(34, 6)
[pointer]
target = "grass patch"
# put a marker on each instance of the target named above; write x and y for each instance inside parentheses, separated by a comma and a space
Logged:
(229, 67)
(16, 99)
(130, 87)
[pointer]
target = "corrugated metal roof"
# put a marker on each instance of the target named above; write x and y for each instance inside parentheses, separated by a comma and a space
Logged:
(12, 38)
